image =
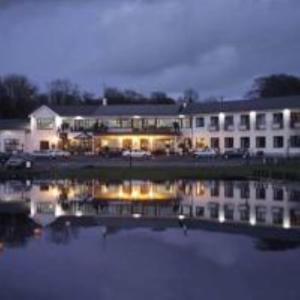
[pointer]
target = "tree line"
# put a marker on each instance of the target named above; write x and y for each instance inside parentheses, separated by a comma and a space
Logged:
(19, 96)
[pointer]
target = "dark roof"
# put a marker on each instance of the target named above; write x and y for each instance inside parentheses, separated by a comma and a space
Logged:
(73, 110)
(7, 124)
(139, 110)
(175, 109)
(243, 105)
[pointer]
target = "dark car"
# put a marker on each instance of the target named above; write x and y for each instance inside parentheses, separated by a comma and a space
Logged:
(18, 162)
(236, 153)
(4, 157)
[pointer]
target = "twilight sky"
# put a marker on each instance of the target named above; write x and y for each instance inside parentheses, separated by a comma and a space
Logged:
(214, 46)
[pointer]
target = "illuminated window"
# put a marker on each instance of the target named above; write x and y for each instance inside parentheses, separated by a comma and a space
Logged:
(45, 123)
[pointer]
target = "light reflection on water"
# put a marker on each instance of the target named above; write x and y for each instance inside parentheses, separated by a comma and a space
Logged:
(253, 203)
(149, 240)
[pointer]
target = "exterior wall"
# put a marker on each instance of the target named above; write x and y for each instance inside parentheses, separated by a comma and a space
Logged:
(22, 136)
(37, 135)
(269, 132)
(30, 140)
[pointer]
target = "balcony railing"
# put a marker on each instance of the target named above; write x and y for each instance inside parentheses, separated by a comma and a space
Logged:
(295, 124)
(277, 125)
(119, 130)
(214, 127)
(229, 127)
(244, 126)
(261, 126)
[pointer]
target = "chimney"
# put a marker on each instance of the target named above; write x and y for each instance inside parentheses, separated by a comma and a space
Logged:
(104, 101)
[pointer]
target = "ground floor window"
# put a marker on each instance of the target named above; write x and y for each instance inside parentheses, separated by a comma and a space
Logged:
(260, 142)
(11, 145)
(215, 143)
(245, 142)
(44, 145)
(229, 142)
(278, 142)
(295, 141)
(200, 143)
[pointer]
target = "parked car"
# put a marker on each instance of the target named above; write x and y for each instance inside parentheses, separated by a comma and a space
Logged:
(236, 153)
(4, 157)
(42, 154)
(206, 152)
(59, 153)
(16, 163)
(136, 154)
(50, 154)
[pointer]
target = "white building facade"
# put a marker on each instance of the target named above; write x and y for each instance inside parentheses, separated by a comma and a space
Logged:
(270, 126)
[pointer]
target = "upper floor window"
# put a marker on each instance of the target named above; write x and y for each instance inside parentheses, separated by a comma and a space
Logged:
(200, 122)
(214, 123)
(245, 122)
(277, 121)
(295, 119)
(229, 123)
(45, 123)
(186, 123)
(260, 121)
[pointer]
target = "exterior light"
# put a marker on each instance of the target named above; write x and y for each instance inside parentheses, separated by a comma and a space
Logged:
(78, 213)
(78, 118)
(181, 217)
(221, 218)
(136, 117)
(252, 220)
(286, 224)
(136, 215)
(181, 116)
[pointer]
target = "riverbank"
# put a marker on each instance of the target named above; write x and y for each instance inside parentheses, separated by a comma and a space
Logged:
(285, 171)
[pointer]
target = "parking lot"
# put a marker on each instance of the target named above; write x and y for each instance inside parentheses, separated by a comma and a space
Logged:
(161, 161)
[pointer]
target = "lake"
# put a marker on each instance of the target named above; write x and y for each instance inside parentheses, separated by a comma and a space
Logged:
(135, 239)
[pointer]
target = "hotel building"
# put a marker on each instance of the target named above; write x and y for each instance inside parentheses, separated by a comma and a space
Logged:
(270, 125)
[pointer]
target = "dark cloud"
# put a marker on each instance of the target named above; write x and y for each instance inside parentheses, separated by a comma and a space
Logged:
(215, 46)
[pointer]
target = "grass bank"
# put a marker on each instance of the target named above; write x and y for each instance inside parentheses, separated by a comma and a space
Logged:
(287, 171)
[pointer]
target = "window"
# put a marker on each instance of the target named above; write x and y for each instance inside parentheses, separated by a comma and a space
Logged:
(229, 123)
(261, 213)
(260, 192)
(45, 123)
(295, 141)
(245, 122)
(200, 122)
(228, 189)
(278, 120)
(260, 121)
(260, 142)
(214, 143)
(229, 142)
(214, 121)
(199, 211)
(11, 145)
(229, 212)
(214, 190)
(278, 194)
(44, 145)
(245, 142)
(126, 123)
(245, 190)
(186, 123)
(278, 142)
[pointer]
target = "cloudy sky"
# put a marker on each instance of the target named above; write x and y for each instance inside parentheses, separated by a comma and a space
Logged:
(214, 46)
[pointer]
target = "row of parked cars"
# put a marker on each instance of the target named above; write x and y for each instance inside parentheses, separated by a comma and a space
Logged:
(228, 154)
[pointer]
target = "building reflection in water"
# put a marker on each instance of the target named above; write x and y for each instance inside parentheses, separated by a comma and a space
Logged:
(253, 203)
